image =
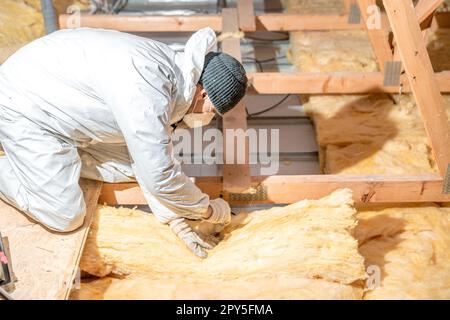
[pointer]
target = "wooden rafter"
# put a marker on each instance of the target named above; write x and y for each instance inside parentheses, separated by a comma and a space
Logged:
(264, 22)
(333, 83)
(414, 55)
(236, 177)
(424, 11)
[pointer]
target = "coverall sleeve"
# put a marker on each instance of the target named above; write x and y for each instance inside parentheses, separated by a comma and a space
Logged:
(141, 105)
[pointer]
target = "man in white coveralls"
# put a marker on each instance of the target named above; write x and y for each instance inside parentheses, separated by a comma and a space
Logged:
(100, 104)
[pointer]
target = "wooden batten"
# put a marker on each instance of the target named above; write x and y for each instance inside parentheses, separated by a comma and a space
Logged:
(290, 189)
(264, 22)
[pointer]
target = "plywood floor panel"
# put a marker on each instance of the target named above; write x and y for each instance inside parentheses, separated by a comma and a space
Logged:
(44, 262)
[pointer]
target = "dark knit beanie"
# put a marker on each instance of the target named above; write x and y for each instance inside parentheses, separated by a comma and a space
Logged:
(224, 80)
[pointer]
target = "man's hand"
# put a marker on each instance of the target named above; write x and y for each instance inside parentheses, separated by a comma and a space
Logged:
(190, 238)
(221, 212)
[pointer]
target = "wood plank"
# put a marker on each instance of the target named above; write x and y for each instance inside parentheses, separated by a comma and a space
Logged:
(236, 177)
(414, 55)
(426, 8)
(246, 14)
(45, 263)
(296, 22)
(378, 36)
(290, 189)
(269, 22)
(332, 82)
(146, 23)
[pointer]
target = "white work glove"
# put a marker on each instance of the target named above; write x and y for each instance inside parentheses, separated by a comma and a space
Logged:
(221, 212)
(192, 240)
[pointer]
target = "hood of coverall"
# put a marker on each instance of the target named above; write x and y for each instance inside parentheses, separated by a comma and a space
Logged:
(191, 63)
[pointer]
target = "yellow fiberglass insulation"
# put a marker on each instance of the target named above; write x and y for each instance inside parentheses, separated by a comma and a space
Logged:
(381, 134)
(384, 135)
(302, 251)
(411, 246)
(21, 21)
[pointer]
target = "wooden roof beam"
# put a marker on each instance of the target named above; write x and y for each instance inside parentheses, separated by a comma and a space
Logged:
(425, 8)
(292, 188)
(413, 52)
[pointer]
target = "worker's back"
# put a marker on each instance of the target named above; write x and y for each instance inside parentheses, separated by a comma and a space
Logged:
(62, 81)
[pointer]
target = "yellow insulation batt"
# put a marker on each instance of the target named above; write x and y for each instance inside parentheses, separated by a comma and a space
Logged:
(316, 51)
(380, 134)
(301, 251)
(19, 24)
(21, 21)
(411, 246)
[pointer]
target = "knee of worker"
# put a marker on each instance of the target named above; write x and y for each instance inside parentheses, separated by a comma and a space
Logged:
(62, 215)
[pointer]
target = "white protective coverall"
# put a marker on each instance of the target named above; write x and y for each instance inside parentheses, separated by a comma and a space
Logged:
(97, 104)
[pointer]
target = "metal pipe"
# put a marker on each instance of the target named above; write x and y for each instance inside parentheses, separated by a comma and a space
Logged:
(48, 11)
